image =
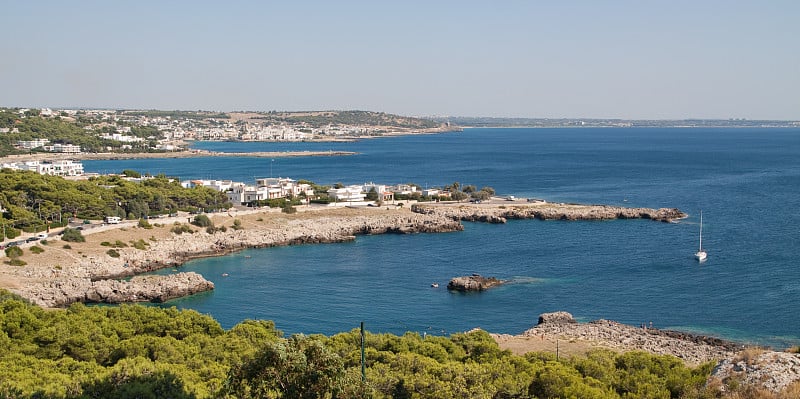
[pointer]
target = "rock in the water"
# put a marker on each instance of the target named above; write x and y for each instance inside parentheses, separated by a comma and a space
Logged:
(473, 283)
(556, 318)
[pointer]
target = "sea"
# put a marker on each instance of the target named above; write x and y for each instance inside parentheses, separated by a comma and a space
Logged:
(746, 182)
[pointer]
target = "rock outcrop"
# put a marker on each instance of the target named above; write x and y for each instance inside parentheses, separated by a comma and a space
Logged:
(772, 370)
(473, 283)
(556, 318)
(63, 292)
(493, 213)
(693, 349)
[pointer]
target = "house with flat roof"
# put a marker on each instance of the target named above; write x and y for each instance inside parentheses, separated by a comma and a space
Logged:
(347, 194)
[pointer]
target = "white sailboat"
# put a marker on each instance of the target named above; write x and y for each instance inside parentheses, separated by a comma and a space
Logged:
(701, 255)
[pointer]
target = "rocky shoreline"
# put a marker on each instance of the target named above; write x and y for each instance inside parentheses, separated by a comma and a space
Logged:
(85, 278)
(493, 213)
(81, 279)
(95, 278)
(768, 369)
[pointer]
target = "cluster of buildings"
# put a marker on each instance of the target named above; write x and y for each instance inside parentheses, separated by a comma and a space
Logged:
(282, 187)
(44, 144)
(264, 189)
(53, 168)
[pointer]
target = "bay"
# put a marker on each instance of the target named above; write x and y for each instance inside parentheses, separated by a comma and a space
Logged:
(746, 181)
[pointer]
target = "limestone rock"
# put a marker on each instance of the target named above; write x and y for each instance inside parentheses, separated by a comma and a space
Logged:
(556, 318)
(473, 283)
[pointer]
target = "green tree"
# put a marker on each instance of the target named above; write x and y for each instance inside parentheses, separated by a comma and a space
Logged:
(298, 367)
(372, 195)
(72, 235)
(131, 173)
(202, 220)
(13, 252)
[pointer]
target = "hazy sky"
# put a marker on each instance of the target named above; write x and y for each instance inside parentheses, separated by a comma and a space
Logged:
(603, 59)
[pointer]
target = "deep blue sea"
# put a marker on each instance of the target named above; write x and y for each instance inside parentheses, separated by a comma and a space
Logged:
(746, 181)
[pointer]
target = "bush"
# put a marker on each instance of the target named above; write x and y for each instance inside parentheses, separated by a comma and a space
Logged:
(141, 244)
(72, 235)
(37, 249)
(145, 224)
(237, 224)
(13, 252)
(16, 262)
(181, 228)
(66, 246)
(202, 220)
(212, 229)
(113, 253)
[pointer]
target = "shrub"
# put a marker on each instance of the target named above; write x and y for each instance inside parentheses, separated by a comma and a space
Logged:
(145, 224)
(113, 253)
(72, 235)
(44, 242)
(141, 244)
(202, 221)
(119, 244)
(181, 228)
(37, 249)
(288, 208)
(16, 262)
(212, 229)
(66, 246)
(13, 252)
(105, 244)
(237, 224)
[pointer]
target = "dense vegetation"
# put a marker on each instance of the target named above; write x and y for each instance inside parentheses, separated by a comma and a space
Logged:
(32, 201)
(177, 114)
(353, 118)
(133, 351)
(80, 131)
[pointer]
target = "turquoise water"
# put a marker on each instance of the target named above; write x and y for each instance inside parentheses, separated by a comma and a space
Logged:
(746, 181)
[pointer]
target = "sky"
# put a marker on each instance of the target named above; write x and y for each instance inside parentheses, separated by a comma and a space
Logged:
(677, 59)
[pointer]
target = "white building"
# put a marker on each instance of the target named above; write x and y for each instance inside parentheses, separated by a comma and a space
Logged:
(31, 144)
(64, 148)
(384, 193)
(54, 168)
(265, 189)
(348, 194)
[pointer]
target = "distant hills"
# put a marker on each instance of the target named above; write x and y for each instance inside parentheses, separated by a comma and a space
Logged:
(589, 122)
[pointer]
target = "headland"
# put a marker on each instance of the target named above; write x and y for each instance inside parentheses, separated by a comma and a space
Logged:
(65, 273)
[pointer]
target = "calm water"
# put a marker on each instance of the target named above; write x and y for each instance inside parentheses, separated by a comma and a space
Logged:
(746, 181)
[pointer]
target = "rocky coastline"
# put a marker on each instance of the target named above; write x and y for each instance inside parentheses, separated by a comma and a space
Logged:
(100, 278)
(494, 213)
(771, 370)
(70, 277)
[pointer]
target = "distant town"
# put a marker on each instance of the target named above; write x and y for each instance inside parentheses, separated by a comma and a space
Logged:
(74, 132)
